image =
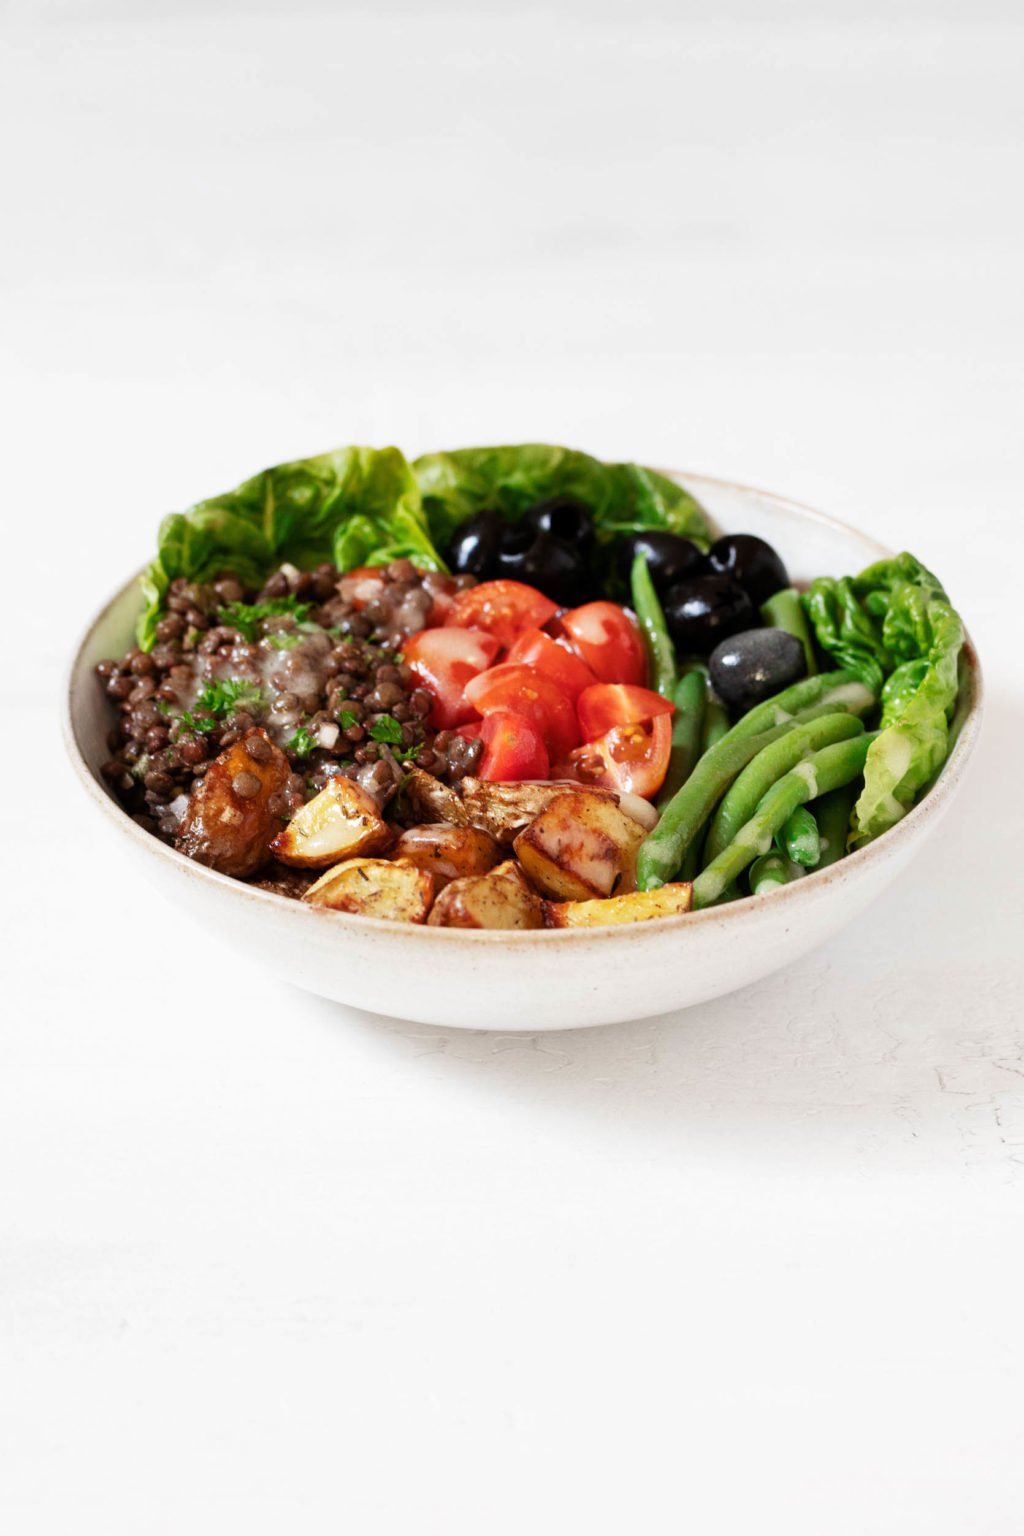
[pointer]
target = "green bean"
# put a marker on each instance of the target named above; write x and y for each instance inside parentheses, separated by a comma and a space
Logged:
(801, 839)
(741, 801)
(661, 652)
(689, 697)
(663, 850)
(784, 610)
(769, 871)
(716, 723)
(840, 690)
(816, 775)
(832, 813)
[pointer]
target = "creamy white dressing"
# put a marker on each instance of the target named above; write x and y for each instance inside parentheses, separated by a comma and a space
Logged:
(807, 772)
(854, 695)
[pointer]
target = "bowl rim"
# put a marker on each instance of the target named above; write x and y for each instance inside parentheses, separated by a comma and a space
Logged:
(750, 908)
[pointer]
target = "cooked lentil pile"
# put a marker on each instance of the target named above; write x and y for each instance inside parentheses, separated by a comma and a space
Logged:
(307, 659)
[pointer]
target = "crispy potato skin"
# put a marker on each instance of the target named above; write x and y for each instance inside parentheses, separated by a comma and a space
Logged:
(505, 810)
(389, 888)
(222, 829)
(582, 846)
(448, 853)
(431, 801)
(637, 907)
(341, 822)
(500, 899)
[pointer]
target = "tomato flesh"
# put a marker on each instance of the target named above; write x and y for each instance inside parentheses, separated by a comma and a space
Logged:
(632, 758)
(444, 661)
(555, 658)
(606, 706)
(527, 692)
(513, 748)
(608, 640)
(503, 608)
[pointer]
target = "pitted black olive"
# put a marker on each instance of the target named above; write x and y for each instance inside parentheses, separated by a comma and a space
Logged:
(669, 556)
(560, 570)
(702, 610)
(474, 549)
(750, 562)
(565, 518)
(754, 664)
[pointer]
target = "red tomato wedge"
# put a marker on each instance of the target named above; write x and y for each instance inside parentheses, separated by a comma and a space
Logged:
(513, 748)
(503, 608)
(555, 659)
(632, 758)
(606, 706)
(527, 692)
(608, 641)
(443, 661)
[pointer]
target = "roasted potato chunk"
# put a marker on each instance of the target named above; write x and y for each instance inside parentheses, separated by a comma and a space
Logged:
(391, 888)
(504, 810)
(341, 822)
(580, 847)
(637, 907)
(227, 824)
(500, 899)
(431, 801)
(448, 853)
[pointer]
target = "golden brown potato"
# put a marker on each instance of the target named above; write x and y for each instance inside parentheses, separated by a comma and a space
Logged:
(504, 810)
(637, 907)
(580, 847)
(391, 888)
(227, 823)
(448, 853)
(431, 801)
(341, 822)
(500, 899)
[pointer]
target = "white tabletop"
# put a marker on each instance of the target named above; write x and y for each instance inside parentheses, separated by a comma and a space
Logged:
(273, 1265)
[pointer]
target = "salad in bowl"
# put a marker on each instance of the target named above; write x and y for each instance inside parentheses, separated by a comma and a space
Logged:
(517, 688)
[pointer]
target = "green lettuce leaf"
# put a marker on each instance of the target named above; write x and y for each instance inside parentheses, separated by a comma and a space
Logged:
(621, 497)
(355, 506)
(894, 625)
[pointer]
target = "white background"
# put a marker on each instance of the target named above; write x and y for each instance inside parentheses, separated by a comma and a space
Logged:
(268, 1265)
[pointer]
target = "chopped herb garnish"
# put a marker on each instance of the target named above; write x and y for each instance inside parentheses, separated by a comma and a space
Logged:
(347, 719)
(228, 698)
(302, 743)
(163, 707)
(387, 728)
(220, 701)
(247, 617)
(285, 639)
(409, 754)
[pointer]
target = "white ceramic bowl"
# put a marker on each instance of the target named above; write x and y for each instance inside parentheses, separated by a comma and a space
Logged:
(531, 981)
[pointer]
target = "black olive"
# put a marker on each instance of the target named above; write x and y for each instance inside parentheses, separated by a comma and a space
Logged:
(669, 556)
(702, 610)
(751, 666)
(474, 549)
(751, 562)
(565, 517)
(559, 569)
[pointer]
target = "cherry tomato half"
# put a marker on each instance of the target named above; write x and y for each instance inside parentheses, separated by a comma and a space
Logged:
(632, 758)
(503, 608)
(527, 692)
(608, 641)
(606, 706)
(513, 748)
(443, 661)
(555, 659)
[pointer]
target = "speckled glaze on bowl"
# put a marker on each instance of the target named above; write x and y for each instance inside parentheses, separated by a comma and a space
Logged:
(531, 981)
